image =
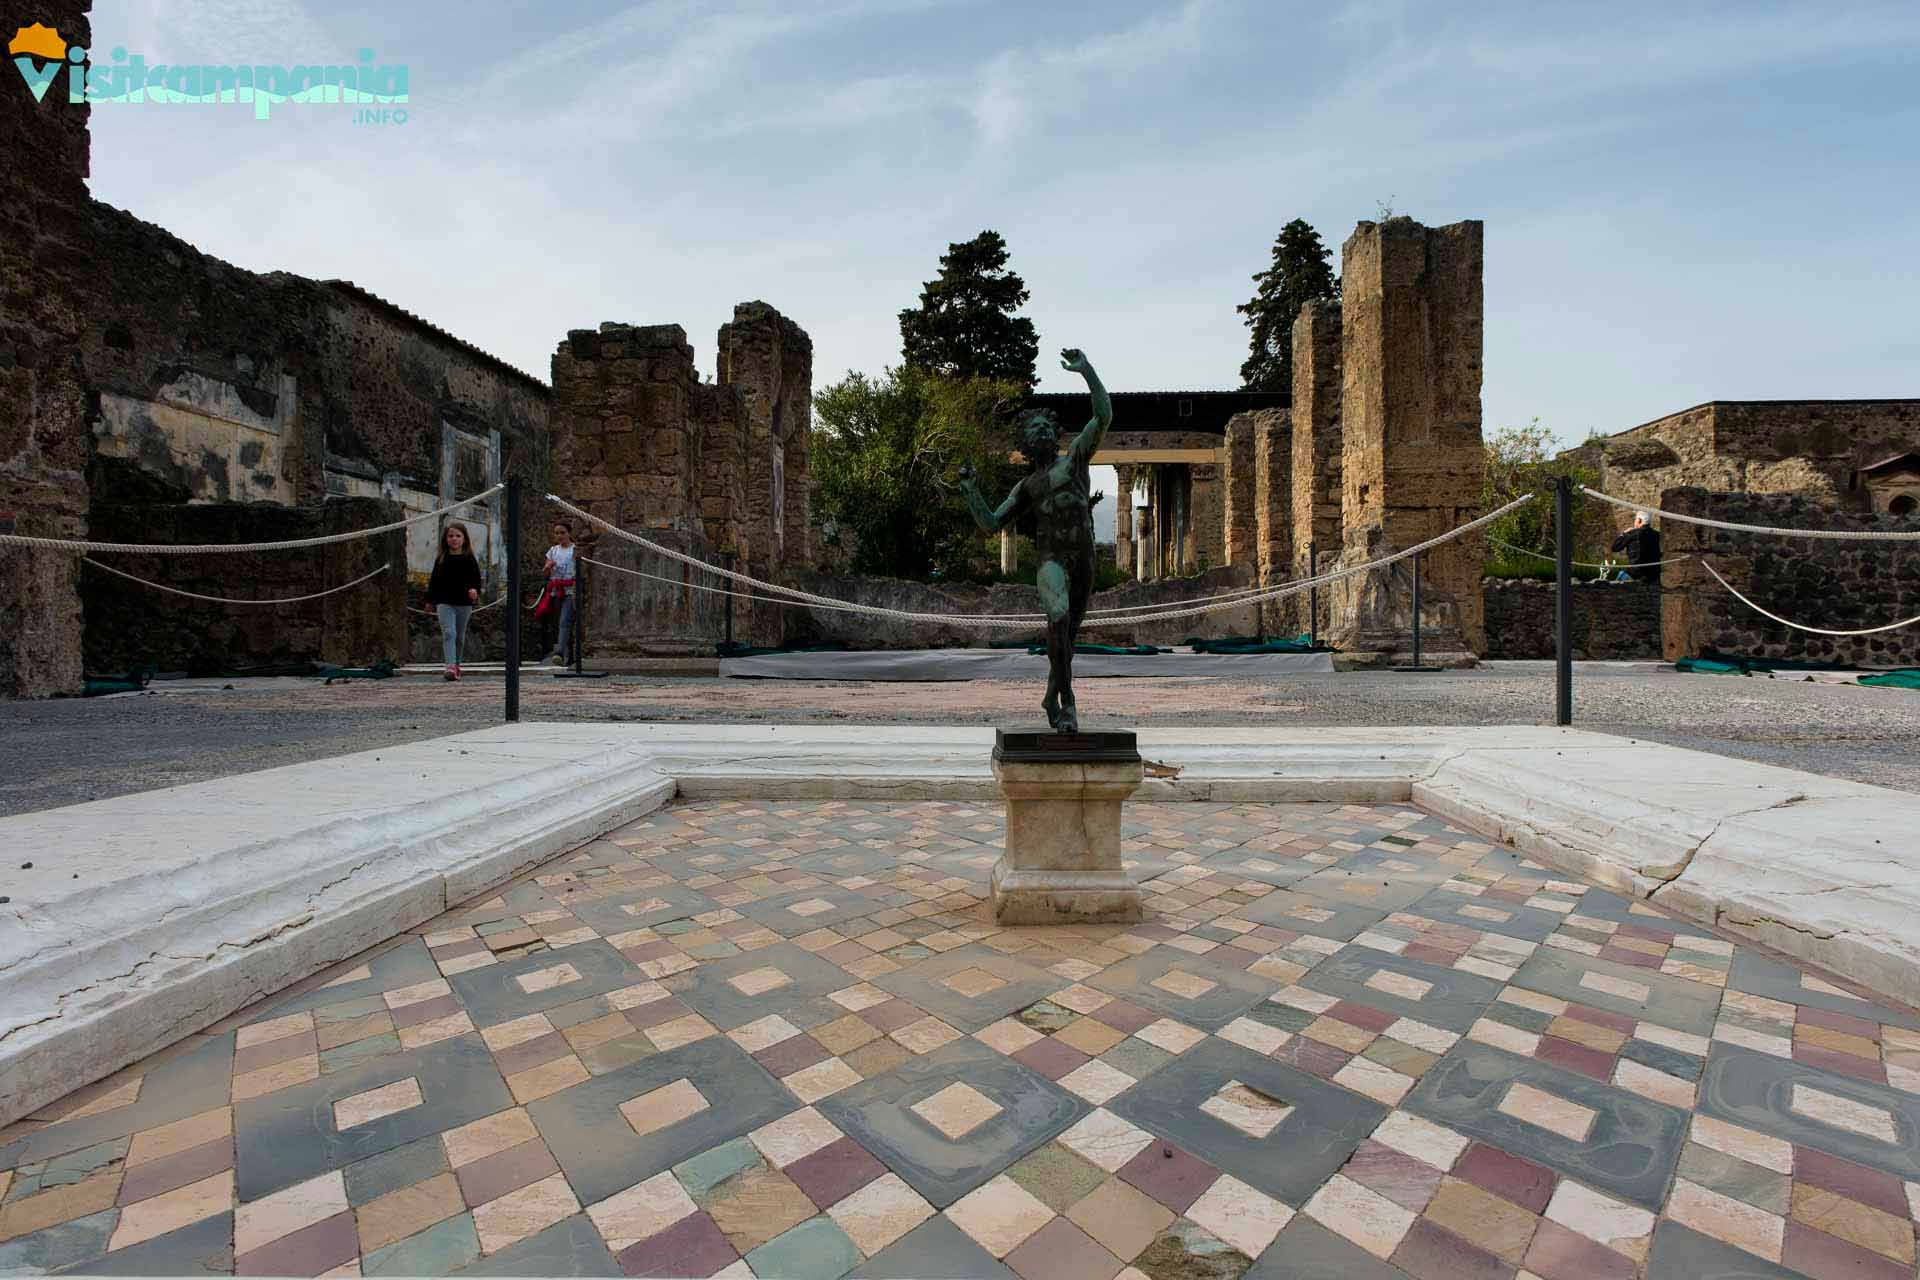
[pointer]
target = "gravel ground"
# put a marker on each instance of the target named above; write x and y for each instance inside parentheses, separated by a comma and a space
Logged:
(68, 751)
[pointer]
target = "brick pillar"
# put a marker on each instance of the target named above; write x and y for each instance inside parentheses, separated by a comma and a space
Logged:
(1412, 459)
(1316, 449)
(1206, 517)
(630, 420)
(768, 359)
(44, 313)
(1272, 493)
(1123, 518)
(1242, 523)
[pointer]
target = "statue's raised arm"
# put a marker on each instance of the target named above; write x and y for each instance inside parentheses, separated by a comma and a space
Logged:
(1087, 443)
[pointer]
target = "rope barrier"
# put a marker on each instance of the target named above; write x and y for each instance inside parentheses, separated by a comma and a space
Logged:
(1010, 621)
(210, 548)
(1303, 584)
(1821, 631)
(193, 595)
(1842, 535)
(743, 595)
(1583, 564)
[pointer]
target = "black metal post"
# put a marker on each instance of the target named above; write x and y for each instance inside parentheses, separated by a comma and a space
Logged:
(513, 599)
(1313, 595)
(1563, 600)
(1416, 665)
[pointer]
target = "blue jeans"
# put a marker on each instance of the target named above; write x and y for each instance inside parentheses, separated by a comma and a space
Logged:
(563, 645)
(453, 629)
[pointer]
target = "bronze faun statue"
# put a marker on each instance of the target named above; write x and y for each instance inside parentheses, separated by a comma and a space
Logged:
(1056, 492)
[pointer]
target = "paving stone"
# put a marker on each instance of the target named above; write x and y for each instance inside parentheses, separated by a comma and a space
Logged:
(935, 1248)
(1630, 1148)
(59, 1246)
(203, 1248)
(570, 1247)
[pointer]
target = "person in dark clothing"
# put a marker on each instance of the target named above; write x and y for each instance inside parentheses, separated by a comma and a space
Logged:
(453, 591)
(1642, 545)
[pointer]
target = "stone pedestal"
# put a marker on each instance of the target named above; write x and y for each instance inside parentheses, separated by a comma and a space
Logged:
(1064, 792)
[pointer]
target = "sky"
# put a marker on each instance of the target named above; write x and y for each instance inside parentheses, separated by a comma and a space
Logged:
(1682, 202)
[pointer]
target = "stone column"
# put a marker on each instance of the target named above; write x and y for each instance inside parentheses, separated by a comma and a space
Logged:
(1412, 458)
(1206, 517)
(1242, 488)
(768, 359)
(1009, 551)
(1272, 493)
(1146, 567)
(1316, 449)
(1123, 517)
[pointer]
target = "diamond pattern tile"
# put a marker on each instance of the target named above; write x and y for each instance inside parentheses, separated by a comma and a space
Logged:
(751, 1038)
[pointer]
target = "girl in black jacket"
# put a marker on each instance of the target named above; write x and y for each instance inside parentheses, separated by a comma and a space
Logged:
(453, 590)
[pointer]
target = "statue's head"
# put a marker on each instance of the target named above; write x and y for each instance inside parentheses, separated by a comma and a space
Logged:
(1040, 437)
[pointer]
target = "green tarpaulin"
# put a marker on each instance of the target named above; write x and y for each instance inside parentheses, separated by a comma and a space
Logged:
(1905, 678)
(1302, 643)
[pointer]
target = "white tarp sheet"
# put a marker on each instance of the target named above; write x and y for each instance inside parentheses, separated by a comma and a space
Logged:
(1013, 664)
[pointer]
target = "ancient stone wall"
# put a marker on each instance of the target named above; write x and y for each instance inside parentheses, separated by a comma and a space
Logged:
(1412, 459)
(1123, 518)
(1316, 452)
(1816, 582)
(44, 311)
(768, 359)
(130, 625)
(1813, 448)
(1611, 620)
(630, 423)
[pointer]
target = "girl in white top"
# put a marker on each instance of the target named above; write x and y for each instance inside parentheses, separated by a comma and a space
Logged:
(561, 562)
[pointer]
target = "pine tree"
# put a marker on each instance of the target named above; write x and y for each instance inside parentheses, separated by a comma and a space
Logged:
(1301, 273)
(964, 326)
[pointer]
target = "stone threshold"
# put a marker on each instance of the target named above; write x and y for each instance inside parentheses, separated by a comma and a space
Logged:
(148, 917)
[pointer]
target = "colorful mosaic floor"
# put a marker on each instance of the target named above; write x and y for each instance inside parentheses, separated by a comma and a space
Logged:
(751, 1039)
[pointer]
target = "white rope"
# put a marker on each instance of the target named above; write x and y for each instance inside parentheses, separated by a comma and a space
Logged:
(725, 591)
(1584, 564)
(1011, 622)
(1821, 631)
(1844, 535)
(193, 595)
(208, 548)
(1303, 584)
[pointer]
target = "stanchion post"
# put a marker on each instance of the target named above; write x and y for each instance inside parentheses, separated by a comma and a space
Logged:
(1416, 613)
(1563, 600)
(1313, 595)
(513, 599)
(728, 643)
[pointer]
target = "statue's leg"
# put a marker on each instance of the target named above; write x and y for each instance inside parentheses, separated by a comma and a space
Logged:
(1056, 600)
(1079, 590)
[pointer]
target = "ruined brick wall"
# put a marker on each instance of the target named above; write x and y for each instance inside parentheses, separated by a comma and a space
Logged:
(1819, 583)
(1813, 448)
(768, 360)
(630, 423)
(1272, 494)
(1611, 620)
(44, 310)
(129, 624)
(1316, 452)
(1241, 532)
(1412, 459)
